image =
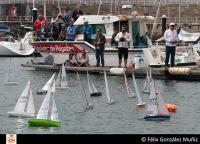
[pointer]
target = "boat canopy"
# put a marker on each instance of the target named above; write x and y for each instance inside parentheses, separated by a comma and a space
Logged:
(185, 37)
(4, 27)
(104, 19)
(96, 19)
(188, 37)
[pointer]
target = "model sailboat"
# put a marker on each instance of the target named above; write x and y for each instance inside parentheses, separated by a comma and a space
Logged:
(25, 104)
(88, 104)
(109, 99)
(140, 104)
(130, 93)
(156, 109)
(146, 86)
(61, 80)
(92, 89)
(47, 85)
(48, 114)
(9, 77)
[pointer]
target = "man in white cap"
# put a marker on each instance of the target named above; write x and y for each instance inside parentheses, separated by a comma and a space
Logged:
(171, 38)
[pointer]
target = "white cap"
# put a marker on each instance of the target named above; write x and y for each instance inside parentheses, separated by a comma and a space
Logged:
(172, 24)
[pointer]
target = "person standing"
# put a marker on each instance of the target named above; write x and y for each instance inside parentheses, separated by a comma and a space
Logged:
(171, 38)
(37, 26)
(113, 42)
(71, 31)
(123, 38)
(87, 31)
(99, 42)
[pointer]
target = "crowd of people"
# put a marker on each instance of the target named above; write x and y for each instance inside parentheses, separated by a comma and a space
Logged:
(64, 24)
(61, 26)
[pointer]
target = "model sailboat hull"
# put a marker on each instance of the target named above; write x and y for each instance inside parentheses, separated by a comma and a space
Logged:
(157, 118)
(43, 123)
(20, 114)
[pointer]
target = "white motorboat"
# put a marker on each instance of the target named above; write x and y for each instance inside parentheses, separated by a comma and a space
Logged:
(17, 48)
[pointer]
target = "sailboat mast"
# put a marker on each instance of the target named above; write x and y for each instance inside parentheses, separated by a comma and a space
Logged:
(28, 96)
(59, 5)
(179, 12)
(60, 77)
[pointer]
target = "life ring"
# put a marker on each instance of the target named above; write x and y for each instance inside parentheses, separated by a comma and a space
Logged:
(171, 107)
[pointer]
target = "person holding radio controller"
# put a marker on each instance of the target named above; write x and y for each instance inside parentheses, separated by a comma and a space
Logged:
(123, 38)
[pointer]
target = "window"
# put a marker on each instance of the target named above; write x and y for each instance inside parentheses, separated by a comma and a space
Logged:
(94, 27)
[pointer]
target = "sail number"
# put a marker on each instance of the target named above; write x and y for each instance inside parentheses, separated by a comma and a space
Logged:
(153, 101)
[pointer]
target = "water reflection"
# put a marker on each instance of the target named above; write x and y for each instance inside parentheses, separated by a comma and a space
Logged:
(20, 125)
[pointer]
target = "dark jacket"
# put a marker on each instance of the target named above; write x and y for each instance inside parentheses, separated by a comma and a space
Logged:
(100, 38)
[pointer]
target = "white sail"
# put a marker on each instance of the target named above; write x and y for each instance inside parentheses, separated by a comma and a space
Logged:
(128, 89)
(64, 82)
(93, 87)
(54, 112)
(48, 83)
(89, 86)
(30, 105)
(146, 87)
(152, 105)
(136, 89)
(44, 109)
(58, 79)
(161, 106)
(109, 99)
(54, 86)
(21, 103)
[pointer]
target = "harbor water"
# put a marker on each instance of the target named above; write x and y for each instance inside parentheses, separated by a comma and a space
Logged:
(123, 117)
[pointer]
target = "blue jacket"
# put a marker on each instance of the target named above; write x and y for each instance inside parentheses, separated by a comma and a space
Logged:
(71, 30)
(88, 30)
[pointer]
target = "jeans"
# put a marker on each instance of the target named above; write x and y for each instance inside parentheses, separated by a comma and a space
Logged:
(100, 54)
(170, 51)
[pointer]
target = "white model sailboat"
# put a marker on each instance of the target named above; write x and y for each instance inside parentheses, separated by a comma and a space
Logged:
(88, 104)
(61, 80)
(47, 85)
(92, 89)
(109, 99)
(9, 78)
(156, 109)
(25, 104)
(48, 114)
(146, 86)
(130, 93)
(140, 104)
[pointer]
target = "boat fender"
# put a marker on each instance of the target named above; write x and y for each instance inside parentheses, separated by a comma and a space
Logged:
(131, 65)
(179, 71)
(171, 107)
(117, 70)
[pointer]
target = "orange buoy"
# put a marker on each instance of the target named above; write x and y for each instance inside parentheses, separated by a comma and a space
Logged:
(171, 107)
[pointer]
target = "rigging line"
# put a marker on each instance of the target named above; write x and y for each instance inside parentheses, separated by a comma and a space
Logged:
(82, 88)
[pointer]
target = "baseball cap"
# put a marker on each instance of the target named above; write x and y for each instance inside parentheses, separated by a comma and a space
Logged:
(172, 24)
